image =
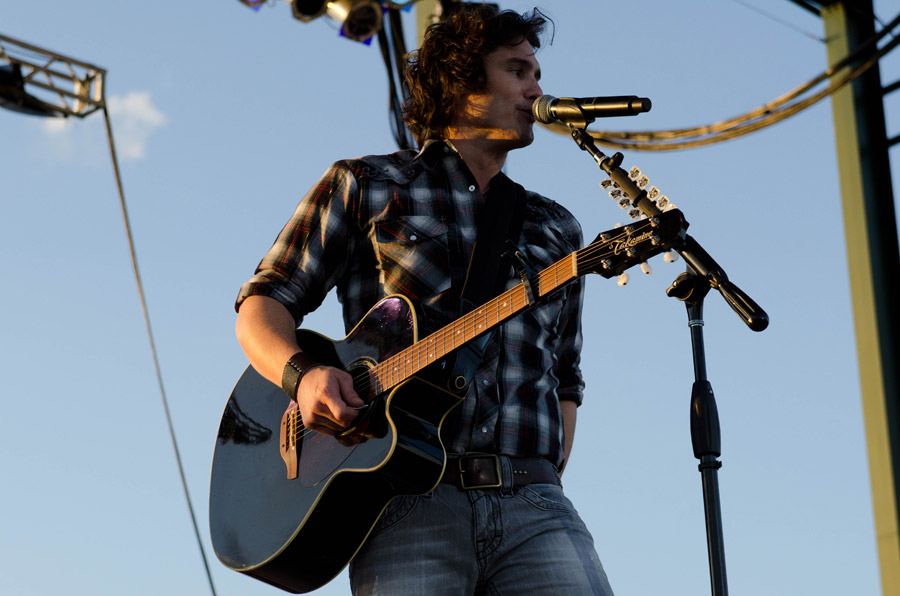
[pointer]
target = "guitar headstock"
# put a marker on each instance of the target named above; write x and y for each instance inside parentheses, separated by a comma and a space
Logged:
(620, 248)
(641, 183)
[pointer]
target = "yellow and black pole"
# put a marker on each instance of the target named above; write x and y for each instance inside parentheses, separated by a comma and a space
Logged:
(874, 267)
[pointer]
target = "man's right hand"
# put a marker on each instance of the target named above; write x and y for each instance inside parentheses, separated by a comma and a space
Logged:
(328, 402)
(267, 334)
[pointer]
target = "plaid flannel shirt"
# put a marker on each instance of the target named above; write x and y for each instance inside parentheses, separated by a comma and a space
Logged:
(378, 225)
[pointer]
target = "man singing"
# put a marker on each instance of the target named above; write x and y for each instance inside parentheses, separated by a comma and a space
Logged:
(498, 523)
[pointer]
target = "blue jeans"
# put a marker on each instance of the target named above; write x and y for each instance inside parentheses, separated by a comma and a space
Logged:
(492, 542)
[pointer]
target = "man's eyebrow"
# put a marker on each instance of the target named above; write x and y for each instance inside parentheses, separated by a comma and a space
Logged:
(526, 63)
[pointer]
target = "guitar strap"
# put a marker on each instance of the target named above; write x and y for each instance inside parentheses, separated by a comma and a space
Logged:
(500, 220)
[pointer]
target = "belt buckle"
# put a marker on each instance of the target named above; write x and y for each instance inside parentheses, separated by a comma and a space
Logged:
(462, 475)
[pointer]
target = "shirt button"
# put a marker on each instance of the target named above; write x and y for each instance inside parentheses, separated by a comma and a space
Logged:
(413, 238)
(485, 382)
(471, 188)
(484, 429)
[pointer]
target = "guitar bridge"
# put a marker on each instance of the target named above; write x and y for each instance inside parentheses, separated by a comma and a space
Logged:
(290, 422)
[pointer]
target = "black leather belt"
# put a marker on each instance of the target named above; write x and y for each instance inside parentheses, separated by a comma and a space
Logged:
(483, 471)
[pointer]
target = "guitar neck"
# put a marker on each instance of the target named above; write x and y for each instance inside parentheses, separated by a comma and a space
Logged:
(610, 254)
(399, 367)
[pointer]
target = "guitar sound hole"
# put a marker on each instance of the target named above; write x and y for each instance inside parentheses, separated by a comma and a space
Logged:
(371, 421)
(361, 383)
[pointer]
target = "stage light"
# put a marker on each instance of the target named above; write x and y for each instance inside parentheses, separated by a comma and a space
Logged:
(307, 10)
(359, 19)
(254, 4)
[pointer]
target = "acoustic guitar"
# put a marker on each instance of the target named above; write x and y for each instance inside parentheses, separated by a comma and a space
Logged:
(292, 507)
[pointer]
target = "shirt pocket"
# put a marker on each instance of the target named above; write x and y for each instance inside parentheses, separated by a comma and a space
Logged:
(413, 256)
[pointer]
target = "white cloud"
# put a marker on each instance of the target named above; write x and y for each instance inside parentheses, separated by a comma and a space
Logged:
(134, 119)
(55, 126)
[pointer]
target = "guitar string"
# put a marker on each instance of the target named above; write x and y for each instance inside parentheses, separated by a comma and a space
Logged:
(363, 381)
(387, 367)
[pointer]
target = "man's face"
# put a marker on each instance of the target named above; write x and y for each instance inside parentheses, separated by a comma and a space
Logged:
(502, 110)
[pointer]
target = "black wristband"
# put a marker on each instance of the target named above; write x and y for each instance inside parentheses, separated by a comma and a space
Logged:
(293, 372)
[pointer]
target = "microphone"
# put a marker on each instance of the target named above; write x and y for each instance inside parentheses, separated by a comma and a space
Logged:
(582, 110)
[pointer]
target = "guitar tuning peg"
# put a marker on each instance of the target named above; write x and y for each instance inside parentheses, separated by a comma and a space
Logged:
(623, 280)
(645, 267)
(618, 225)
(642, 182)
(670, 206)
(635, 214)
(634, 173)
(652, 193)
(662, 201)
(624, 203)
(607, 183)
(670, 257)
(615, 194)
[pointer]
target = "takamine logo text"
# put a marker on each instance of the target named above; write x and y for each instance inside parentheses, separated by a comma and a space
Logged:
(620, 244)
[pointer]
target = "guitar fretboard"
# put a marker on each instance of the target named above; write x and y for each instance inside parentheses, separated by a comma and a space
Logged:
(399, 367)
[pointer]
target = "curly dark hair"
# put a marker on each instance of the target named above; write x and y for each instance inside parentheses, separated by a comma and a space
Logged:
(450, 62)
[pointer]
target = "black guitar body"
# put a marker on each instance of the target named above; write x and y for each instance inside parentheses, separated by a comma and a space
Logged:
(298, 534)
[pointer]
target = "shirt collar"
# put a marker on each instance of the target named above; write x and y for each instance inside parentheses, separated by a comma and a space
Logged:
(433, 149)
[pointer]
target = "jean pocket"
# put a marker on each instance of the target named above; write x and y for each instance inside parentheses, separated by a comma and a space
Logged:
(397, 509)
(548, 497)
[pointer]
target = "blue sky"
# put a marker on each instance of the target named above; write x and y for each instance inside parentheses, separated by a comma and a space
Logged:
(224, 117)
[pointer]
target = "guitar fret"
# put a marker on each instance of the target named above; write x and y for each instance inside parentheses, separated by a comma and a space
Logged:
(375, 382)
(404, 364)
(379, 381)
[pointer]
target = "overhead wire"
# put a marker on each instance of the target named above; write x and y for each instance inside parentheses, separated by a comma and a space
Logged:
(779, 20)
(770, 113)
(153, 352)
(47, 58)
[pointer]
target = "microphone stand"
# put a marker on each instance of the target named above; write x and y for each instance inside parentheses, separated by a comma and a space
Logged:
(691, 287)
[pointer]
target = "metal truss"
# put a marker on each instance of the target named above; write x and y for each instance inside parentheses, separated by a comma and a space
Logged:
(54, 84)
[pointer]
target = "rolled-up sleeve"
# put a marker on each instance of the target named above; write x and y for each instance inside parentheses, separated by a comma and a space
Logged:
(571, 382)
(313, 250)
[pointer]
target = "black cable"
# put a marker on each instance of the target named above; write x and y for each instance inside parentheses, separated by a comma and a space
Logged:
(384, 45)
(395, 103)
(400, 61)
(159, 379)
